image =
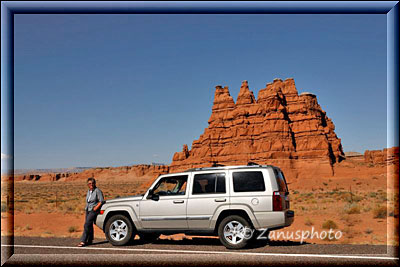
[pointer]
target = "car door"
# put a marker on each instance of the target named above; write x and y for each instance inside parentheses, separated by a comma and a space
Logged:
(252, 188)
(208, 192)
(168, 209)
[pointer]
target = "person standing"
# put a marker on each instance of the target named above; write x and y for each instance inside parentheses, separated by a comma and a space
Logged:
(94, 200)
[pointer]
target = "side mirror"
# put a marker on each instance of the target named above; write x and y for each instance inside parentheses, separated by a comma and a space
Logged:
(155, 197)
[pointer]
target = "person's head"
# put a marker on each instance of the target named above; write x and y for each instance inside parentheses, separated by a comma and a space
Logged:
(91, 183)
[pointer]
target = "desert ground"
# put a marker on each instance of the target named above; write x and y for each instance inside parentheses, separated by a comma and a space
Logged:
(361, 201)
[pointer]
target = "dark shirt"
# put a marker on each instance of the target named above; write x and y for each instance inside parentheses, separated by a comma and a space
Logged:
(93, 198)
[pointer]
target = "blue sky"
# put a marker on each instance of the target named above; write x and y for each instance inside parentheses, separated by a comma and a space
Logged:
(111, 90)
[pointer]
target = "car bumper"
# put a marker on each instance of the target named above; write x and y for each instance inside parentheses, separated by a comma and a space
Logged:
(274, 219)
(289, 217)
(100, 221)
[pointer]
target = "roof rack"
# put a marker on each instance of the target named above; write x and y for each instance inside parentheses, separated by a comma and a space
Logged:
(217, 165)
(227, 167)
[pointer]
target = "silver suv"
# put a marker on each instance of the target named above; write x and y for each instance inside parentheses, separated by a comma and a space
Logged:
(237, 203)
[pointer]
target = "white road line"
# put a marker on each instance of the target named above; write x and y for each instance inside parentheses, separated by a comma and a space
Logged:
(214, 252)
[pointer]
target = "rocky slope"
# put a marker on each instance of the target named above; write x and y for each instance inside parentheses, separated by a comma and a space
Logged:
(280, 127)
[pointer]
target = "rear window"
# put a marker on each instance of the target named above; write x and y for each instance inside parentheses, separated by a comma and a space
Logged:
(209, 183)
(281, 181)
(248, 181)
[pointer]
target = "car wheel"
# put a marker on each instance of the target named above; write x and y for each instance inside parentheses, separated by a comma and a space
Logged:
(234, 232)
(148, 237)
(119, 230)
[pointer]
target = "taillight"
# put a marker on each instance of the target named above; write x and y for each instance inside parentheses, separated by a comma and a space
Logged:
(276, 201)
(101, 211)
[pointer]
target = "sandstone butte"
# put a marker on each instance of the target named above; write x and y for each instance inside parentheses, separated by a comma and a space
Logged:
(280, 128)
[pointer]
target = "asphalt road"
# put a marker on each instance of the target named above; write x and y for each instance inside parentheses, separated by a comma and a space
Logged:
(195, 252)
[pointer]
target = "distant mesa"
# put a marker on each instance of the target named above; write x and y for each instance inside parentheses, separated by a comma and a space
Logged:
(101, 173)
(280, 127)
(53, 170)
(353, 154)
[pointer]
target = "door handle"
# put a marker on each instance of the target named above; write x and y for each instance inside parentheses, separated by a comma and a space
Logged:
(178, 201)
(220, 199)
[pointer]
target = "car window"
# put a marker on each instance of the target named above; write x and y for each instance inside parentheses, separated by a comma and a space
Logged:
(172, 185)
(220, 187)
(248, 181)
(281, 181)
(209, 183)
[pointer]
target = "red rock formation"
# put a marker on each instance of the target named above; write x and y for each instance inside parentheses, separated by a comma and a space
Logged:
(385, 156)
(281, 128)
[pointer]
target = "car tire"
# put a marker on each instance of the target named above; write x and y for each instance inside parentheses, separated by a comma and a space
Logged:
(234, 232)
(119, 230)
(148, 238)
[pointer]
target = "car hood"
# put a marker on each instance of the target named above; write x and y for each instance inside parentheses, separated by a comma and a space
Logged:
(123, 199)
